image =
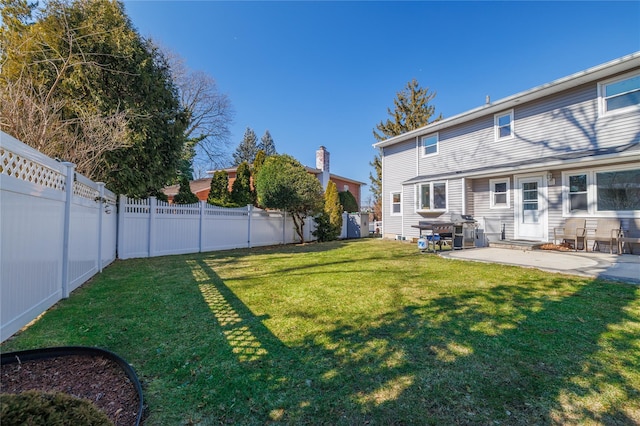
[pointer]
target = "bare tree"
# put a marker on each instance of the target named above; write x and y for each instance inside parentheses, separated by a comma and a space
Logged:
(211, 112)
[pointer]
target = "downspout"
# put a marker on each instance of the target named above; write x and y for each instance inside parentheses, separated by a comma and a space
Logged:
(464, 195)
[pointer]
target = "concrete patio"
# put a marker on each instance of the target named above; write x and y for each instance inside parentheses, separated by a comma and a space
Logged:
(624, 268)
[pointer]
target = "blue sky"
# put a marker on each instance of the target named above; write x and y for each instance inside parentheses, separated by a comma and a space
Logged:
(324, 73)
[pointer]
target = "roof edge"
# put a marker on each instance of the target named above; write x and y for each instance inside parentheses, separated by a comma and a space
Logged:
(618, 65)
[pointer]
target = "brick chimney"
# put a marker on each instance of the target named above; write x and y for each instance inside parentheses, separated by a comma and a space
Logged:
(322, 159)
(322, 163)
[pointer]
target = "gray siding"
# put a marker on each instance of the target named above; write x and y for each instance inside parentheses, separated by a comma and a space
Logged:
(561, 123)
(398, 165)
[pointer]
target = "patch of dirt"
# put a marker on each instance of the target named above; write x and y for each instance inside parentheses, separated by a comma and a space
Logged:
(560, 247)
(98, 379)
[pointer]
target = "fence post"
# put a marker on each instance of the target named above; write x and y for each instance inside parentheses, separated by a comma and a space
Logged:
(122, 203)
(250, 211)
(153, 202)
(67, 226)
(284, 227)
(100, 218)
(201, 226)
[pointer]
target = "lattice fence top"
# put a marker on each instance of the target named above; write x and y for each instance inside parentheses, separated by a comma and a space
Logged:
(85, 191)
(15, 165)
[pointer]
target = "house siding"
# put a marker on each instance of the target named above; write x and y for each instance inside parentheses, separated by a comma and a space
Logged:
(553, 125)
(547, 132)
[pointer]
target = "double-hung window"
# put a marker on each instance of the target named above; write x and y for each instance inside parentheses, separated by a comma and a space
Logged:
(620, 95)
(503, 124)
(578, 195)
(612, 191)
(396, 203)
(432, 196)
(499, 192)
(430, 145)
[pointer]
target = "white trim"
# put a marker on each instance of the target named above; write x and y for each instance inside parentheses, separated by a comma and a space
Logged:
(496, 125)
(602, 111)
(492, 204)
(592, 193)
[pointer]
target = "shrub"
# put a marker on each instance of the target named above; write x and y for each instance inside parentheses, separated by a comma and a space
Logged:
(348, 201)
(325, 231)
(49, 408)
(184, 195)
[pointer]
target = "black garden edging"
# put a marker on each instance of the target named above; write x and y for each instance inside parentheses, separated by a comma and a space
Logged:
(46, 353)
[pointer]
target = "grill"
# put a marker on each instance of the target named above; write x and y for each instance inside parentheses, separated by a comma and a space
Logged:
(460, 231)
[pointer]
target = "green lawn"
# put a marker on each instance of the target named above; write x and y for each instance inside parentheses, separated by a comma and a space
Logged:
(358, 332)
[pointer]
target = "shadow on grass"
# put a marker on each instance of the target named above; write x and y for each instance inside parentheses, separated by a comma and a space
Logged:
(522, 353)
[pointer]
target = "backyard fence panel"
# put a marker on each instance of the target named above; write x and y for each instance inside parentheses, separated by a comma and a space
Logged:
(84, 232)
(267, 228)
(133, 228)
(224, 228)
(109, 227)
(177, 229)
(50, 233)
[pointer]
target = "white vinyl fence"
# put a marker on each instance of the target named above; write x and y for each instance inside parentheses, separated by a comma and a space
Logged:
(57, 229)
(149, 228)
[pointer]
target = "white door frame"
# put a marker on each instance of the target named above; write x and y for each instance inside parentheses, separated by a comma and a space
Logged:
(543, 206)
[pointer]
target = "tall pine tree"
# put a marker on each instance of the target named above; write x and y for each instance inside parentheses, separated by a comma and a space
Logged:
(247, 149)
(412, 111)
(266, 144)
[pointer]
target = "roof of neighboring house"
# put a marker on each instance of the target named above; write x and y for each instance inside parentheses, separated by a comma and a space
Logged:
(592, 74)
(196, 186)
(315, 171)
(620, 153)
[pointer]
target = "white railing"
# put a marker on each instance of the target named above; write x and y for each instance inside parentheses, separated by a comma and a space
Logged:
(149, 228)
(57, 230)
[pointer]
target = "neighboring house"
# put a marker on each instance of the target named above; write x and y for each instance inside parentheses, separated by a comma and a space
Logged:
(524, 164)
(201, 187)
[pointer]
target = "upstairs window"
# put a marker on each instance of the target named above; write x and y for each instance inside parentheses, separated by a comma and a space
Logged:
(503, 124)
(620, 95)
(430, 145)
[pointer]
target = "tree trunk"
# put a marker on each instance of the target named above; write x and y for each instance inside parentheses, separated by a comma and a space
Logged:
(298, 223)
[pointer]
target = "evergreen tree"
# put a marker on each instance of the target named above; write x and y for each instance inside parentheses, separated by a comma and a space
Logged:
(241, 192)
(184, 195)
(78, 82)
(329, 222)
(332, 205)
(267, 145)
(348, 202)
(219, 189)
(283, 183)
(412, 111)
(247, 149)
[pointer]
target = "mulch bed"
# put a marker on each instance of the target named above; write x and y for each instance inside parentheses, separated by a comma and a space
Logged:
(559, 247)
(98, 379)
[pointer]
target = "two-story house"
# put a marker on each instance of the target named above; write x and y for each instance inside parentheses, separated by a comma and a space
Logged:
(524, 164)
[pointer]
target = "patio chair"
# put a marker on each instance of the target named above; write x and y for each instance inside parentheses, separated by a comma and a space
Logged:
(607, 230)
(573, 230)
